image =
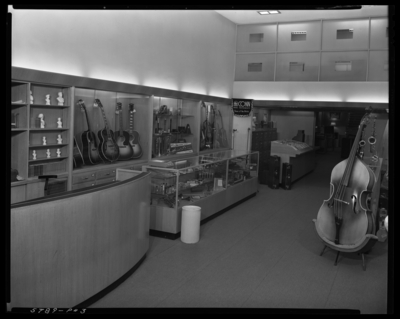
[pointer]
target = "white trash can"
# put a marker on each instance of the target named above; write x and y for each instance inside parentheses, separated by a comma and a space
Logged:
(190, 226)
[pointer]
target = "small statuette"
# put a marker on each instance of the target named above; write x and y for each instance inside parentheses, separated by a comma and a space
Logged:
(48, 99)
(44, 140)
(34, 154)
(58, 152)
(31, 97)
(42, 122)
(59, 123)
(60, 99)
(48, 153)
(59, 139)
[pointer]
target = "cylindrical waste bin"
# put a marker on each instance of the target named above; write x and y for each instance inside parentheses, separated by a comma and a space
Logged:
(190, 227)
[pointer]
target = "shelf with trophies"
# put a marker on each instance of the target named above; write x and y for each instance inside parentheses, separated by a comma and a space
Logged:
(213, 181)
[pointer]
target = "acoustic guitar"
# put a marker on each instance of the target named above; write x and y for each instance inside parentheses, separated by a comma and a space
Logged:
(90, 152)
(122, 138)
(77, 156)
(108, 148)
(134, 136)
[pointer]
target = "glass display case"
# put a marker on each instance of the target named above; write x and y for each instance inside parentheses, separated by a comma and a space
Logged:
(202, 180)
(215, 126)
(174, 122)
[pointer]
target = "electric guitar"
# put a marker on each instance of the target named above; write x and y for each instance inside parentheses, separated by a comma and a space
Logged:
(134, 137)
(77, 156)
(122, 138)
(108, 148)
(90, 153)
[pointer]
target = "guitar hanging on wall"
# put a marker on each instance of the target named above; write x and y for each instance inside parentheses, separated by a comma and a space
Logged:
(90, 151)
(108, 148)
(122, 138)
(134, 137)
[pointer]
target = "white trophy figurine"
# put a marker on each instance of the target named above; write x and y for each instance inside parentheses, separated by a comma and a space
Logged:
(44, 140)
(58, 152)
(48, 153)
(60, 99)
(42, 122)
(48, 99)
(59, 139)
(59, 123)
(31, 97)
(34, 154)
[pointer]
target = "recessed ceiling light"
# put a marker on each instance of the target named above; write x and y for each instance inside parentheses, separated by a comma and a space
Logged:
(268, 12)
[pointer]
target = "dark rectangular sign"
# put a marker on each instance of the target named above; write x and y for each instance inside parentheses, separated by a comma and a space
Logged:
(242, 107)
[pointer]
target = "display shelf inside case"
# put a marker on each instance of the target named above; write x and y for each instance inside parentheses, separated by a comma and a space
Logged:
(174, 122)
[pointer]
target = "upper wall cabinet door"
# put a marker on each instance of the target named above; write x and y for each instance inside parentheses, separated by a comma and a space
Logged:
(379, 33)
(344, 66)
(304, 36)
(378, 69)
(297, 66)
(345, 35)
(255, 67)
(256, 38)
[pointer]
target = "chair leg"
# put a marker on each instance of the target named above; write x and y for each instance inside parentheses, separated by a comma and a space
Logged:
(337, 256)
(323, 250)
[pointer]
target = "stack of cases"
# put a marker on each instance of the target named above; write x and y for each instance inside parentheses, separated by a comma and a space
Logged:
(261, 142)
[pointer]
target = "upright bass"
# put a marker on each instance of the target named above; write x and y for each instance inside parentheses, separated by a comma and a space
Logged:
(346, 218)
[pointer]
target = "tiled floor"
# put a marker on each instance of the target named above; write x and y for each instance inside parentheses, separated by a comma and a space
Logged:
(263, 253)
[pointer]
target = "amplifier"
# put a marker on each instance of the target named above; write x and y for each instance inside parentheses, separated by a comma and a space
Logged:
(286, 176)
(274, 167)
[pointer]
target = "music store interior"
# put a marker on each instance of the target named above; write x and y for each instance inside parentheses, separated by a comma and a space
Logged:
(200, 159)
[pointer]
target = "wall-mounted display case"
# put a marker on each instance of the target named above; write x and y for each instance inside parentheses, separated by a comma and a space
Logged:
(213, 182)
(83, 129)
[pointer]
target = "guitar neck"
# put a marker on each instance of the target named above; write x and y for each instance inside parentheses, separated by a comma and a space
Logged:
(131, 122)
(105, 122)
(87, 121)
(120, 122)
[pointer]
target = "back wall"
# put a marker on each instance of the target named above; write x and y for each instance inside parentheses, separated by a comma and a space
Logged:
(190, 51)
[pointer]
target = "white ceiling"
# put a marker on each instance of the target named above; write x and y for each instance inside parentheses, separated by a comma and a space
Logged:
(252, 16)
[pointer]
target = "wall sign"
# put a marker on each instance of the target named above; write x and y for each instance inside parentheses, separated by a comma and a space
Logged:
(242, 107)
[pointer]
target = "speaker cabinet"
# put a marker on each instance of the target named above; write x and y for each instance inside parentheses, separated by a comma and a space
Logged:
(262, 177)
(274, 166)
(286, 176)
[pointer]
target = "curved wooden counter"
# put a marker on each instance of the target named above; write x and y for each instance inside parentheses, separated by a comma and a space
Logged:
(68, 247)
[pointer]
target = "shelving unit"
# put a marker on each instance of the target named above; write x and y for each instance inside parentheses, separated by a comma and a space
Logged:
(27, 136)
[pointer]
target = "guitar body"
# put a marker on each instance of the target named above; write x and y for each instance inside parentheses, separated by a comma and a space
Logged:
(89, 148)
(77, 156)
(134, 139)
(125, 148)
(108, 148)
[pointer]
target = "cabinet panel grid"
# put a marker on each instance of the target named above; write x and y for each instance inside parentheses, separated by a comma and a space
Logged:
(350, 36)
